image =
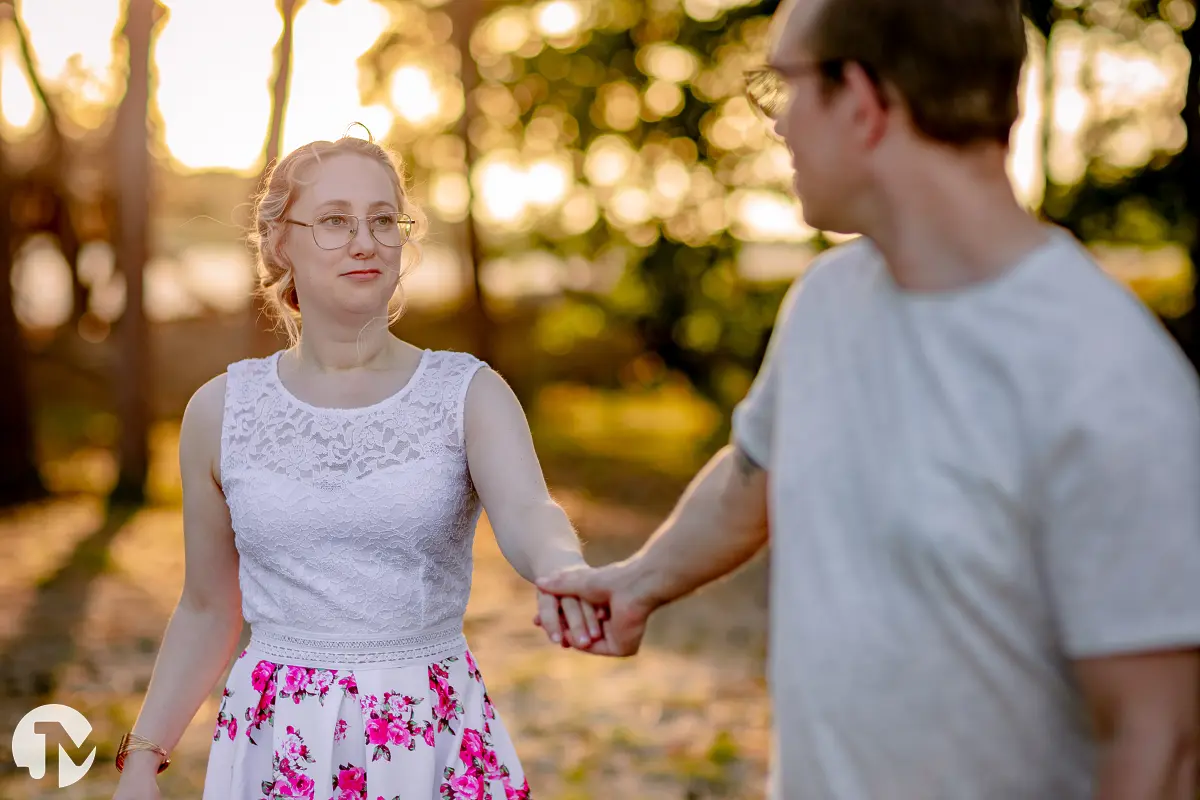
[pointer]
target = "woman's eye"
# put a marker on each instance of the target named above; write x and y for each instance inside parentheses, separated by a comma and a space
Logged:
(333, 220)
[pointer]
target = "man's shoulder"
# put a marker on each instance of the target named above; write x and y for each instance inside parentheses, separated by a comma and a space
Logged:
(1099, 345)
(844, 264)
(837, 271)
(1101, 323)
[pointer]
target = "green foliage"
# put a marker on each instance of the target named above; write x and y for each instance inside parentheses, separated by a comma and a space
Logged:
(646, 86)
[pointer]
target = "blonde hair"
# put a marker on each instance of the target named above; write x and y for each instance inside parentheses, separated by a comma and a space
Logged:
(276, 278)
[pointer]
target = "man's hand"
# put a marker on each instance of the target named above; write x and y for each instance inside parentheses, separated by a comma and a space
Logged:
(613, 591)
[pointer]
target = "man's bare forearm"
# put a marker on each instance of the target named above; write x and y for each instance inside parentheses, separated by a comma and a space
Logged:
(1145, 710)
(718, 525)
(1137, 767)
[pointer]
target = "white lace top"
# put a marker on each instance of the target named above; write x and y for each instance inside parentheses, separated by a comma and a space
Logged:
(351, 521)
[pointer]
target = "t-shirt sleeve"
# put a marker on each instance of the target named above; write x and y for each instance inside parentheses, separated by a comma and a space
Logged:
(1121, 524)
(753, 420)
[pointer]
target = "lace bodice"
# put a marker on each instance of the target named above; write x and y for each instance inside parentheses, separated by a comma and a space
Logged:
(351, 521)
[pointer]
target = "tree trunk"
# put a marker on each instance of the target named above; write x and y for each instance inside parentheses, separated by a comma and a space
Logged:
(274, 144)
(283, 77)
(64, 224)
(132, 252)
(20, 480)
(465, 15)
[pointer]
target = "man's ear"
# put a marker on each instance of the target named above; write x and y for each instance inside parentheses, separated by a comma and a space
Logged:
(873, 103)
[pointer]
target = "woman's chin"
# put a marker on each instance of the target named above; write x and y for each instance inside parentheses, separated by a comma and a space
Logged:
(362, 299)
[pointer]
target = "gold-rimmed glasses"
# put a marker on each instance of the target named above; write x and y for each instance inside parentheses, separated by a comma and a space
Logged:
(769, 90)
(336, 230)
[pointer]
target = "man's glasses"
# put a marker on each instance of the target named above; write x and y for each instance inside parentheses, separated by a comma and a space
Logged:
(769, 88)
(767, 91)
(334, 231)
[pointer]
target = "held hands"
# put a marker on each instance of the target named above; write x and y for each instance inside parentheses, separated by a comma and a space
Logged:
(567, 620)
(609, 594)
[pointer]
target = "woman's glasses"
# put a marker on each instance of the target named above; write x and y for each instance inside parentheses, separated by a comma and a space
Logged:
(334, 231)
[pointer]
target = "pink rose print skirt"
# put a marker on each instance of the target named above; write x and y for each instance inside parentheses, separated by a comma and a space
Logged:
(322, 719)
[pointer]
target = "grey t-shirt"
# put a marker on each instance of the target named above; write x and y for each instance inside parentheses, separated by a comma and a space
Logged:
(968, 490)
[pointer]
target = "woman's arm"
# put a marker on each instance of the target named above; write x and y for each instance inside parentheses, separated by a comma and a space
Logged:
(532, 530)
(206, 624)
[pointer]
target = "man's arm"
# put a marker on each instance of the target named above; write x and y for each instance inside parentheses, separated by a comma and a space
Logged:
(720, 522)
(1119, 540)
(1145, 710)
(718, 525)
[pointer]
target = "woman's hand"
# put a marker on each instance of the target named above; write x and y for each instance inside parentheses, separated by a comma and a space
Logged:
(568, 621)
(139, 779)
(141, 789)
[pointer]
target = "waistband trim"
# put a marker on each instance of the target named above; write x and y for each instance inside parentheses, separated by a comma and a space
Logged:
(330, 650)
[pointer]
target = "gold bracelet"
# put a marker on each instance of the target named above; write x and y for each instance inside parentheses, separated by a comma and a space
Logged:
(131, 742)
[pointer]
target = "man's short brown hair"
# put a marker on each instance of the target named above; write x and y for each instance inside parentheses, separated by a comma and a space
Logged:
(955, 63)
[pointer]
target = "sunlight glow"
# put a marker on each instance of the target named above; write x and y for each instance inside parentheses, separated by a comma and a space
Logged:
(215, 109)
(450, 195)
(631, 205)
(579, 212)
(500, 187)
(507, 30)
(669, 62)
(608, 160)
(17, 101)
(547, 182)
(414, 95)
(324, 97)
(72, 42)
(1024, 162)
(672, 180)
(558, 18)
(768, 216)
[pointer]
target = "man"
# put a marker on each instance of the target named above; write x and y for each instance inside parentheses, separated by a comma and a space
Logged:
(980, 457)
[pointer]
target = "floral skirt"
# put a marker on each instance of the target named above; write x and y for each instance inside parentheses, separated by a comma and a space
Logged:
(350, 728)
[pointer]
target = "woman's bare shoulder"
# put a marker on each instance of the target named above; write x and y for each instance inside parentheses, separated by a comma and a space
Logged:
(200, 431)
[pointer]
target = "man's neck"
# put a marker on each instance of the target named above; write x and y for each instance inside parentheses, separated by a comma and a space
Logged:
(950, 228)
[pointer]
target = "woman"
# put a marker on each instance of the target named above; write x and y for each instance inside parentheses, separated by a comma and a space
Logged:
(331, 492)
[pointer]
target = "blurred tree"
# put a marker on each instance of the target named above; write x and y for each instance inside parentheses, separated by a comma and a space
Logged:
(273, 147)
(612, 142)
(1157, 198)
(132, 252)
(646, 101)
(423, 69)
(281, 82)
(614, 138)
(20, 480)
(464, 17)
(52, 173)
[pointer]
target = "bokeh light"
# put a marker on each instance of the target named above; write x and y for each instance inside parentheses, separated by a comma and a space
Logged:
(558, 18)
(413, 94)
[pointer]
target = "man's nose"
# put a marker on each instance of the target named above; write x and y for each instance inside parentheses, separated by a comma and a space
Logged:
(780, 126)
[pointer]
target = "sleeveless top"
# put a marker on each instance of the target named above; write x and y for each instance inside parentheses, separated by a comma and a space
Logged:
(351, 522)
